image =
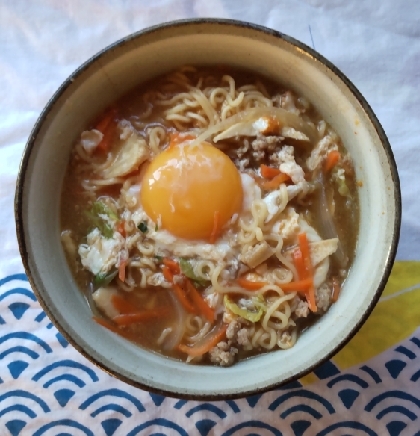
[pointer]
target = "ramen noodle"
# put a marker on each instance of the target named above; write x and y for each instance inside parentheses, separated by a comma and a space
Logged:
(210, 215)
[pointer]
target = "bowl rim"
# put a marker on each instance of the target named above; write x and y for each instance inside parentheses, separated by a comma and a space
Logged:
(306, 51)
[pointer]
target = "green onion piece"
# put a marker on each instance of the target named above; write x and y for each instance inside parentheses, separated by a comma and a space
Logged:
(156, 228)
(188, 271)
(143, 226)
(159, 258)
(100, 208)
(247, 314)
(104, 279)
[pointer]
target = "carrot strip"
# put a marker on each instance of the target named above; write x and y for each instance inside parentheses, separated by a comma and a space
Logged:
(301, 285)
(336, 288)
(310, 297)
(269, 172)
(249, 284)
(275, 182)
(199, 301)
(331, 160)
(179, 292)
(182, 297)
(107, 324)
(306, 254)
(106, 119)
(122, 305)
(207, 346)
(120, 227)
(216, 227)
(121, 270)
(304, 268)
(145, 315)
(108, 133)
(173, 265)
(167, 273)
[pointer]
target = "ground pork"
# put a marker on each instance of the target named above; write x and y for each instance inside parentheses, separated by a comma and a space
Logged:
(223, 354)
(323, 297)
(242, 337)
(233, 329)
(285, 340)
(286, 101)
(266, 143)
(302, 309)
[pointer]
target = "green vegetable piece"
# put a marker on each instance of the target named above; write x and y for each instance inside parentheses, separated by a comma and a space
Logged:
(104, 279)
(156, 228)
(93, 215)
(100, 208)
(188, 271)
(247, 314)
(143, 226)
(343, 189)
(159, 258)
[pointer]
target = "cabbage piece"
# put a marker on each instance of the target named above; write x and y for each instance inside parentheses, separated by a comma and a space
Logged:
(249, 116)
(249, 315)
(131, 155)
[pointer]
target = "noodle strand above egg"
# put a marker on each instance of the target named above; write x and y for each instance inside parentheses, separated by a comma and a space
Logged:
(210, 215)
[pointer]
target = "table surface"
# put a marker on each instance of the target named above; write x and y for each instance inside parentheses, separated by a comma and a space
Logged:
(371, 387)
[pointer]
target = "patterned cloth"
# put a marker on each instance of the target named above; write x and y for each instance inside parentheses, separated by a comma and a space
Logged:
(371, 387)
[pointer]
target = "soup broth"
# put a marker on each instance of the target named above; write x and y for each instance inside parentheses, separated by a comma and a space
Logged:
(210, 215)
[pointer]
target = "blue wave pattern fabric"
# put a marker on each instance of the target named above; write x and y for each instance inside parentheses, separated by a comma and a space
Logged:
(47, 388)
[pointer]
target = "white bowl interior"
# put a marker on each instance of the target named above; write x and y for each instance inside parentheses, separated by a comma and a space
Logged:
(114, 73)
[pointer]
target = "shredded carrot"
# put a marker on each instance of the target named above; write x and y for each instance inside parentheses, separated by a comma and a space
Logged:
(336, 288)
(107, 324)
(304, 268)
(249, 284)
(173, 265)
(121, 228)
(145, 315)
(201, 349)
(216, 227)
(306, 254)
(269, 172)
(199, 302)
(167, 273)
(182, 297)
(121, 270)
(178, 291)
(301, 285)
(122, 305)
(310, 296)
(331, 160)
(176, 138)
(106, 119)
(275, 182)
(108, 133)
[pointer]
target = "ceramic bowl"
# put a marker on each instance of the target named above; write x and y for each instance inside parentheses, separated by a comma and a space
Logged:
(146, 54)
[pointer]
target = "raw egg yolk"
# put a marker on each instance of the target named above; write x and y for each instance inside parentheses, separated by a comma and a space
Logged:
(192, 190)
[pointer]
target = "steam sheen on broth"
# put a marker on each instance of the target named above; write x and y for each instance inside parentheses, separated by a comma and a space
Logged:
(210, 215)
